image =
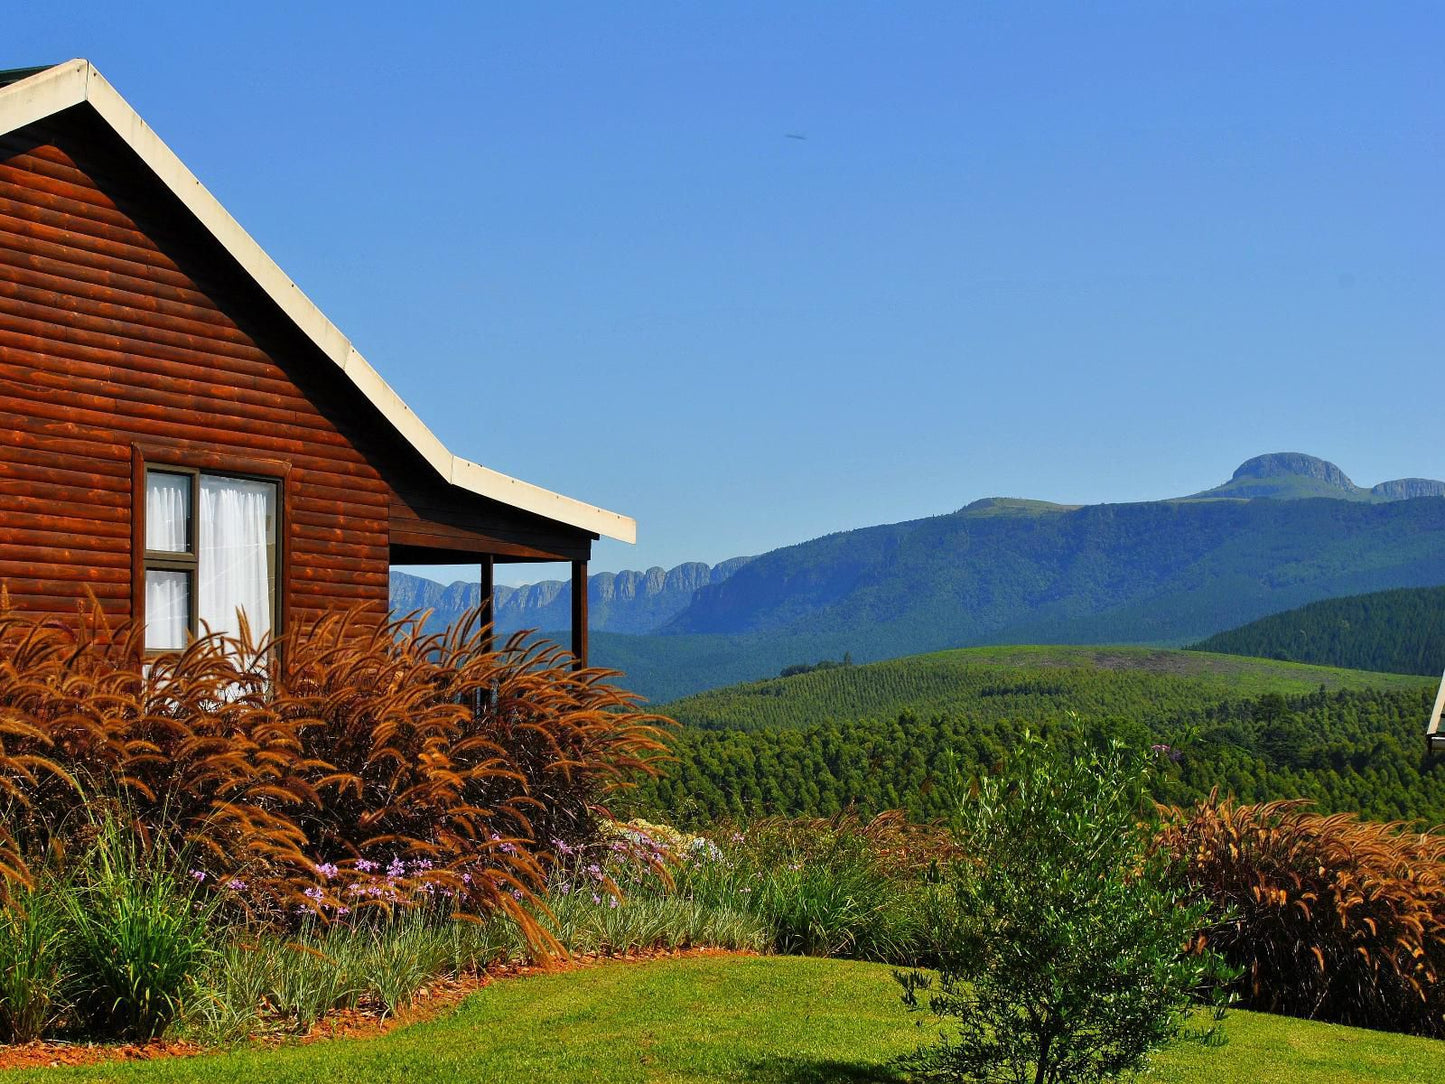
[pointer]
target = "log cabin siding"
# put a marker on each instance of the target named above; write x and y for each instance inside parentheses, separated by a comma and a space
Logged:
(119, 336)
(128, 334)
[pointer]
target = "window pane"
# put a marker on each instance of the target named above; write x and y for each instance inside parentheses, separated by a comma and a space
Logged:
(168, 512)
(168, 609)
(237, 559)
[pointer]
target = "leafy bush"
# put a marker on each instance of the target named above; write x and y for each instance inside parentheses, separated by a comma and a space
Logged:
(1064, 958)
(1334, 918)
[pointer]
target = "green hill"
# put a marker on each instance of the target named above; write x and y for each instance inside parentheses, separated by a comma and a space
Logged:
(878, 736)
(1401, 632)
(1014, 682)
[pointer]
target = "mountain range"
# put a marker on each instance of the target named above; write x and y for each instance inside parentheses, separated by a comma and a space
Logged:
(623, 602)
(1285, 530)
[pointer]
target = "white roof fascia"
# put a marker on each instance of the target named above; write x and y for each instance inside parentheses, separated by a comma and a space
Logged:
(43, 94)
(46, 93)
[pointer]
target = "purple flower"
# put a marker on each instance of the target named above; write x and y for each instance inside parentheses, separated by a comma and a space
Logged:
(313, 893)
(364, 865)
(397, 868)
(235, 884)
(326, 871)
(199, 875)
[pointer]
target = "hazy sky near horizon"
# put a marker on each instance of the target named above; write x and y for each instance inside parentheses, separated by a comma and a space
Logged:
(753, 273)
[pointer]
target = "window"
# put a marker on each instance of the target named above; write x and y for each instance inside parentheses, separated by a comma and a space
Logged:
(210, 551)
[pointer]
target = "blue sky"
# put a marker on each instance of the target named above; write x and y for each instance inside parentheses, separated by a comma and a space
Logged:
(1077, 252)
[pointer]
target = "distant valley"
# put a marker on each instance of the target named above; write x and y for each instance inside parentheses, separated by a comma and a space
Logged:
(1287, 529)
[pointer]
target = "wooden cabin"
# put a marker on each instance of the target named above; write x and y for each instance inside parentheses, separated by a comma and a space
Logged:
(182, 433)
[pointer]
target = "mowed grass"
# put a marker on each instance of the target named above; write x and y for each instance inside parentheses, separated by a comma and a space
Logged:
(1089, 680)
(771, 1020)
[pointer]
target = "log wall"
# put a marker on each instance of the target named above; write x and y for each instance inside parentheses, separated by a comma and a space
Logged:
(128, 335)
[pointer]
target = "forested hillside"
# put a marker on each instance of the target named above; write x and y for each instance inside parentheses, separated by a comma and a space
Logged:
(1158, 572)
(1401, 632)
(1348, 750)
(1144, 684)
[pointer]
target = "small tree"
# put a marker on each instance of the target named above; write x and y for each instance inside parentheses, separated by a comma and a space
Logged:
(1065, 958)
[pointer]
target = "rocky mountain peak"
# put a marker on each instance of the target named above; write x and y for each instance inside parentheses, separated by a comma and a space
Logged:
(1293, 465)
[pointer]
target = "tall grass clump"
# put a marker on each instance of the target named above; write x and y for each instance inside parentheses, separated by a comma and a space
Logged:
(837, 887)
(1332, 917)
(346, 765)
(32, 962)
(137, 932)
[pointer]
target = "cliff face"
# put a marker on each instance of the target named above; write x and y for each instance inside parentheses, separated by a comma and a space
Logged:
(1296, 465)
(627, 602)
(1406, 489)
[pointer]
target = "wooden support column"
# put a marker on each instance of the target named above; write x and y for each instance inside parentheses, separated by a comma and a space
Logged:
(488, 590)
(579, 613)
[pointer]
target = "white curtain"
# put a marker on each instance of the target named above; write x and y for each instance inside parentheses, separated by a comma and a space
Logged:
(168, 500)
(237, 553)
(168, 609)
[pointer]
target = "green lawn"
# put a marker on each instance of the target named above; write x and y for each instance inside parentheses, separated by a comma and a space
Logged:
(773, 1020)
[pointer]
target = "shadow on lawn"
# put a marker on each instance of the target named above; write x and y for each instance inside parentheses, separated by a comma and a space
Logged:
(820, 1071)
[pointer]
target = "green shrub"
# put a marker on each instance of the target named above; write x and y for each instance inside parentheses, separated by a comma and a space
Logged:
(1064, 948)
(32, 968)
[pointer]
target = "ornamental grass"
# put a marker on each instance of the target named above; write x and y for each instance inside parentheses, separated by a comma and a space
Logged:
(346, 765)
(1329, 917)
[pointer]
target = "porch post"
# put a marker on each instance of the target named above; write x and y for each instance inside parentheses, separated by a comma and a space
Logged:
(579, 613)
(486, 591)
(488, 586)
